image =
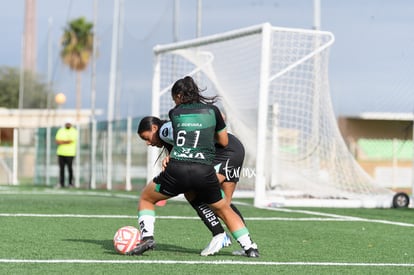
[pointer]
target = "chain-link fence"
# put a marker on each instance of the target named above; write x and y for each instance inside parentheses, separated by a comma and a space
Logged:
(388, 161)
(38, 164)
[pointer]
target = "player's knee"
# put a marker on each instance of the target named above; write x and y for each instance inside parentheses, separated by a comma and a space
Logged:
(148, 193)
(220, 207)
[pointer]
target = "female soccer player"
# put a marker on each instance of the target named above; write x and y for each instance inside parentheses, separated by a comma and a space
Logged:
(227, 163)
(197, 124)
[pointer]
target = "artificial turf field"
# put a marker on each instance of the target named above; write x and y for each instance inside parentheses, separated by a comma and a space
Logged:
(47, 231)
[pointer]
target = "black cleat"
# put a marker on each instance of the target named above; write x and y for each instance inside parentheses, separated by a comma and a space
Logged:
(252, 252)
(142, 247)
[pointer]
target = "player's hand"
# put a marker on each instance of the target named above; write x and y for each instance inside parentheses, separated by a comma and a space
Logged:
(165, 162)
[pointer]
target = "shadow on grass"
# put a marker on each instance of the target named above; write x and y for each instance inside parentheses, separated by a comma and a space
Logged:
(108, 246)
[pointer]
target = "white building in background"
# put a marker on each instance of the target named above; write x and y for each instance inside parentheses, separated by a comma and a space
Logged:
(382, 143)
(20, 125)
(38, 118)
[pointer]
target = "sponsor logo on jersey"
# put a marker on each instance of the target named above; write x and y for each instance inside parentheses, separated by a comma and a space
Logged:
(186, 153)
(190, 124)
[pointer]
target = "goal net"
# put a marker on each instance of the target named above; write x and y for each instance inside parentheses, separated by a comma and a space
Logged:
(274, 91)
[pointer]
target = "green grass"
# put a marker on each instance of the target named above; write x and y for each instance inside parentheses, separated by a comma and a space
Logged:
(76, 237)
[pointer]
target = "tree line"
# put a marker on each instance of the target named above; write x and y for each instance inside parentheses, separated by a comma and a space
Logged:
(76, 52)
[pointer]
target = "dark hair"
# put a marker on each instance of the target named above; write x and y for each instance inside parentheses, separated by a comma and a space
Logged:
(146, 123)
(189, 92)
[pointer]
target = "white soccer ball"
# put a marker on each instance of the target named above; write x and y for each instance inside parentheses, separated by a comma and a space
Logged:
(126, 238)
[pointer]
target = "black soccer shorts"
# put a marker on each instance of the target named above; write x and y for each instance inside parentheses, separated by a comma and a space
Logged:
(180, 177)
(229, 160)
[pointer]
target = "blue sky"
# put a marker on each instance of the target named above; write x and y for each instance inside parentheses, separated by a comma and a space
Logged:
(371, 65)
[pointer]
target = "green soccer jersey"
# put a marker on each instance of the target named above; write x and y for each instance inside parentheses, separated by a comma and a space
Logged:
(194, 127)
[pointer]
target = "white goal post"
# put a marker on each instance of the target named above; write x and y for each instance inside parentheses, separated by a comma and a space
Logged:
(274, 90)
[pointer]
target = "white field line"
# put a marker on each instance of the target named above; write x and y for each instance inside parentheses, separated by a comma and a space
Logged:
(132, 196)
(158, 217)
(5, 191)
(80, 261)
(332, 217)
(338, 218)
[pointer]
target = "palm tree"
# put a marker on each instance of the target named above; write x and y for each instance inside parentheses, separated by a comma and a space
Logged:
(77, 49)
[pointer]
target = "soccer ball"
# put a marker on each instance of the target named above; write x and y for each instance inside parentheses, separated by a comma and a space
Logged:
(126, 238)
